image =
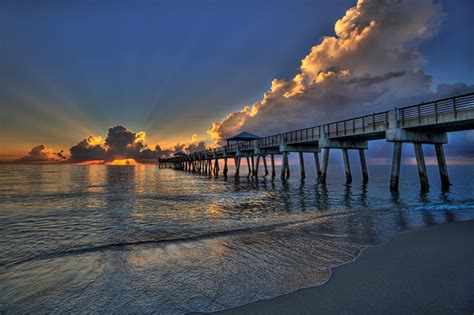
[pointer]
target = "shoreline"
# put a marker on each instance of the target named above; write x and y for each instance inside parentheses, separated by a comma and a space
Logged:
(430, 270)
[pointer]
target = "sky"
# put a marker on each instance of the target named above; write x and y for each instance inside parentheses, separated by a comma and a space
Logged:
(171, 69)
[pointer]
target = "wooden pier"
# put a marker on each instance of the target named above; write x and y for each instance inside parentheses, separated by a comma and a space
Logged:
(421, 124)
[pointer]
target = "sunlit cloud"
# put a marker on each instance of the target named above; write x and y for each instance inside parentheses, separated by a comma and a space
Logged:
(41, 154)
(370, 61)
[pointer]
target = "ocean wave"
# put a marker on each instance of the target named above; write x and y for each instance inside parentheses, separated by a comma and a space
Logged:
(125, 245)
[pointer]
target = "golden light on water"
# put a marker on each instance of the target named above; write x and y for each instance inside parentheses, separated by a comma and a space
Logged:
(118, 162)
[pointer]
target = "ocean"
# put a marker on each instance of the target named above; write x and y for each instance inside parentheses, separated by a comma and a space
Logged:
(143, 239)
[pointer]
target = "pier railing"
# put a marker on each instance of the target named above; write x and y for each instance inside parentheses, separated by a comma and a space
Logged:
(302, 135)
(359, 125)
(270, 141)
(414, 115)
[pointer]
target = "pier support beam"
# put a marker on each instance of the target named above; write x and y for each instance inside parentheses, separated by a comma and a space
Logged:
(265, 165)
(257, 163)
(285, 171)
(252, 161)
(237, 165)
(216, 167)
(302, 171)
(420, 162)
(272, 159)
(443, 168)
(249, 167)
(396, 162)
(363, 166)
(283, 165)
(318, 165)
(347, 166)
(325, 165)
(225, 170)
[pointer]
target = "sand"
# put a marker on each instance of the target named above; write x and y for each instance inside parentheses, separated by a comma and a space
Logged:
(422, 271)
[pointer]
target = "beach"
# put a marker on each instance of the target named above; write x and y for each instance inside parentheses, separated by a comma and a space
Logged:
(421, 271)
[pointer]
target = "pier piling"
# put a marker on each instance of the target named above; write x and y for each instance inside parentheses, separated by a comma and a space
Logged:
(265, 165)
(237, 165)
(347, 165)
(318, 165)
(363, 166)
(420, 162)
(443, 169)
(284, 165)
(396, 162)
(302, 171)
(249, 167)
(225, 170)
(325, 165)
(257, 163)
(272, 159)
(216, 167)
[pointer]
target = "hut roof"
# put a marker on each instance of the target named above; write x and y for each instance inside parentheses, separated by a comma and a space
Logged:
(243, 136)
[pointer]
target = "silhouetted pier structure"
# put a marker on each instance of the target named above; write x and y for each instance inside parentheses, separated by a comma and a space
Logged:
(425, 123)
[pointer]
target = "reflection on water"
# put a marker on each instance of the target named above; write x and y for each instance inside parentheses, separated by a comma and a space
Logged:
(105, 238)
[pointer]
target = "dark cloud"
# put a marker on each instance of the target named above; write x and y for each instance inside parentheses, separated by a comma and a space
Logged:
(123, 143)
(88, 149)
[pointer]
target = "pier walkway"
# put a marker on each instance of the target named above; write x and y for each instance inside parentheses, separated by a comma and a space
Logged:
(425, 123)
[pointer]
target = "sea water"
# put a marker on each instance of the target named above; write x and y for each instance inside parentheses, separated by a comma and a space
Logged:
(144, 239)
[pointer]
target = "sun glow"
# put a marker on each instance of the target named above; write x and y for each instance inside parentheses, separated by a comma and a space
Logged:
(123, 162)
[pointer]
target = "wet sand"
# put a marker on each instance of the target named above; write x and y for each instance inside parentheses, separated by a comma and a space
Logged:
(423, 271)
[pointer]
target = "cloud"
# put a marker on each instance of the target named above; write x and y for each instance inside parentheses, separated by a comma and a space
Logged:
(41, 154)
(369, 64)
(120, 143)
(123, 143)
(89, 149)
(201, 146)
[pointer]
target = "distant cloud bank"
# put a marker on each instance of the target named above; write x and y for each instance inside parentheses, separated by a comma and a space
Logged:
(120, 143)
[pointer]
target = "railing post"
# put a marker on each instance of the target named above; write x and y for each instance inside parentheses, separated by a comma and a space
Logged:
(454, 108)
(363, 124)
(373, 121)
(436, 110)
(402, 117)
(419, 114)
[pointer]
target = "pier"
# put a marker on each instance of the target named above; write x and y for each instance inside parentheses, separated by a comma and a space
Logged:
(418, 125)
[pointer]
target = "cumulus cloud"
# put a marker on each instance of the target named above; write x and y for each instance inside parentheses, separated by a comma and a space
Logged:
(120, 143)
(370, 63)
(123, 143)
(91, 148)
(201, 146)
(41, 154)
